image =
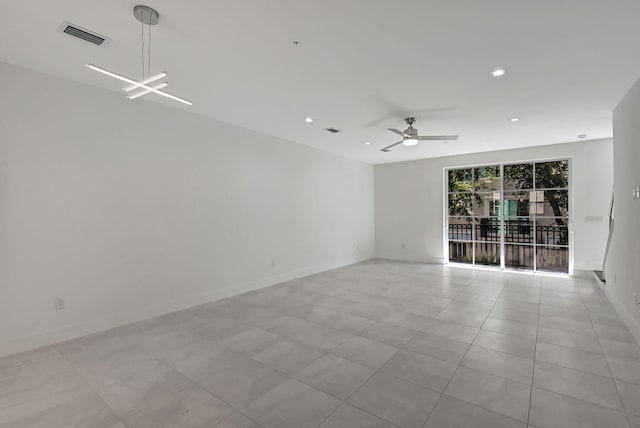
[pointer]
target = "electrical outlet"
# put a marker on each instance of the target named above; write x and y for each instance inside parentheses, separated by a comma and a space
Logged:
(635, 298)
(358, 247)
(58, 303)
(273, 263)
(404, 246)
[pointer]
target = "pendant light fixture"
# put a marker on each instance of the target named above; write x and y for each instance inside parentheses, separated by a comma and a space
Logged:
(136, 89)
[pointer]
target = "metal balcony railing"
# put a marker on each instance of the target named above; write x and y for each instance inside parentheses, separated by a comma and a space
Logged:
(519, 238)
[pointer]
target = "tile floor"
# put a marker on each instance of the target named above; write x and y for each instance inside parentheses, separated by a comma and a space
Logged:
(378, 344)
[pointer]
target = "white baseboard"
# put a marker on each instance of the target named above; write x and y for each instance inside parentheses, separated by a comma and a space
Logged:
(156, 309)
(404, 257)
(582, 273)
(630, 321)
(601, 285)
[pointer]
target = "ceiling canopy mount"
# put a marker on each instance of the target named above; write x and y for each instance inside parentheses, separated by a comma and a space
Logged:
(146, 15)
(148, 83)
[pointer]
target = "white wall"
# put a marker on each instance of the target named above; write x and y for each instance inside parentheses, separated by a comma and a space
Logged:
(131, 209)
(623, 279)
(409, 200)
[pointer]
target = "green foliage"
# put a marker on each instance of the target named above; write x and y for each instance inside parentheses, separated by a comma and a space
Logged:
(487, 260)
(551, 177)
(518, 176)
(460, 188)
(461, 204)
(484, 176)
(460, 180)
(463, 183)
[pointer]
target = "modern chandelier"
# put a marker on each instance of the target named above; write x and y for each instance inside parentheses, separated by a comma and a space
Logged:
(153, 84)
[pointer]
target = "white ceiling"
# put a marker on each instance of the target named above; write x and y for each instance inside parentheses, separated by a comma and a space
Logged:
(363, 65)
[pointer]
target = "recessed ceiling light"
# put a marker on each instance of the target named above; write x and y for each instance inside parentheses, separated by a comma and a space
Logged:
(309, 120)
(514, 119)
(498, 72)
(582, 136)
(367, 144)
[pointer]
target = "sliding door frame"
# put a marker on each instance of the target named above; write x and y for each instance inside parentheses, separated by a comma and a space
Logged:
(445, 214)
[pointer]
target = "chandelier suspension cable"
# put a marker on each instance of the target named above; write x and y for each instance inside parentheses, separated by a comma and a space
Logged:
(147, 84)
(142, 41)
(149, 48)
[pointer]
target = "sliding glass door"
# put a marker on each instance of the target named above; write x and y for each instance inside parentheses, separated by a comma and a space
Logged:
(512, 216)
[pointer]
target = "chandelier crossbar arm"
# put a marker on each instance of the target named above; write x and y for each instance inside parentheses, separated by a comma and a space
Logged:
(137, 84)
(146, 81)
(145, 92)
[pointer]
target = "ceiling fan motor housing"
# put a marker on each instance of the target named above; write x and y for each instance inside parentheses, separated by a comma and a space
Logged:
(410, 136)
(411, 131)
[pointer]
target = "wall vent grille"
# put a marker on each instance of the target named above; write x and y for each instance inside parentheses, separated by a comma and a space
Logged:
(332, 130)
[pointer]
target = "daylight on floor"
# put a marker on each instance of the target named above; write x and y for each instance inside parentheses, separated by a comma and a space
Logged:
(329, 214)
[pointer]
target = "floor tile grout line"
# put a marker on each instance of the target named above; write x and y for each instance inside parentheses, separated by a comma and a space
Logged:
(198, 385)
(615, 384)
(590, 403)
(231, 415)
(318, 389)
(434, 406)
(330, 414)
(324, 351)
(344, 401)
(508, 334)
(540, 388)
(291, 377)
(73, 367)
(400, 347)
(572, 368)
(357, 334)
(421, 386)
(554, 344)
(501, 351)
(371, 295)
(494, 375)
(480, 407)
(535, 351)
(462, 359)
(189, 379)
(215, 396)
(367, 411)
(378, 371)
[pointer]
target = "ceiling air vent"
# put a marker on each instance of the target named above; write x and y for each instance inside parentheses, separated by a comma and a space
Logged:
(83, 34)
(332, 130)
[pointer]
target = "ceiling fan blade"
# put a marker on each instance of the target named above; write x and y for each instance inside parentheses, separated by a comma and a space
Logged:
(392, 111)
(386, 149)
(438, 137)
(398, 132)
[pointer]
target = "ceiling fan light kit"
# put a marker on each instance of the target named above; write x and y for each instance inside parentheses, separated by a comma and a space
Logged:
(410, 142)
(410, 136)
(146, 16)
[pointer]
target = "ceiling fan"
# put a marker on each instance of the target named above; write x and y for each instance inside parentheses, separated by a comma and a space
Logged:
(410, 136)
